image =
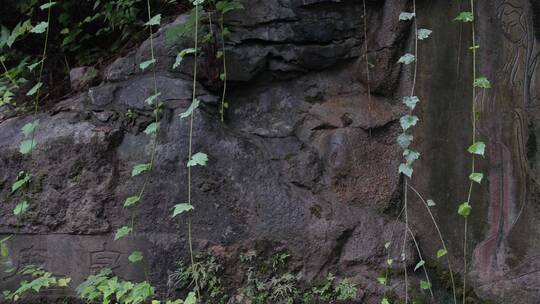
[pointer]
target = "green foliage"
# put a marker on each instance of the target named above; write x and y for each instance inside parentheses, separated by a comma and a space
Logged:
(132, 200)
(405, 16)
(181, 208)
(140, 168)
(441, 253)
(465, 17)
(22, 180)
(204, 277)
(194, 105)
(464, 209)
(407, 59)
(476, 177)
(410, 101)
(20, 208)
(423, 34)
(135, 256)
(477, 148)
(41, 279)
(482, 82)
(122, 232)
(107, 289)
(198, 159)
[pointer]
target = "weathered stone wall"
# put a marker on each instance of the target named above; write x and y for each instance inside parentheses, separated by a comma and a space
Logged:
(304, 159)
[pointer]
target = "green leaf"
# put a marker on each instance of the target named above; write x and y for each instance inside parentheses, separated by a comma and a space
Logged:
(404, 16)
(20, 208)
(40, 28)
(408, 121)
(145, 64)
(389, 261)
(411, 101)
(132, 200)
(465, 17)
(152, 99)
(197, 2)
(482, 82)
(4, 249)
(425, 284)
(180, 56)
(381, 280)
(465, 209)
(152, 128)
(441, 253)
(198, 159)
(27, 145)
(122, 232)
(419, 264)
(476, 177)
(423, 34)
(411, 155)
(477, 148)
(156, 20)
(407, 58)
(406, 169)
(140, 168)
(191, 298)
(385, 301)
(22, 180)
(387, 245)
(194, 105)
(34, 89)
(404, 140)
(47, 5)
(431, 203)
(33, 66)
(135, 256)
(28, 128)
(181, 208)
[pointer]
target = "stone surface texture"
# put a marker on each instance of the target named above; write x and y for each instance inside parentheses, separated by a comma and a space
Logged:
(305, 157)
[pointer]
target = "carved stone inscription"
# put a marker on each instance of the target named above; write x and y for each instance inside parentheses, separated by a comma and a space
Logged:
(72, 256)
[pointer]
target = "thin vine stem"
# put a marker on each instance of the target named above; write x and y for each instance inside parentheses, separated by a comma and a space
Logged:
(443, 243)
(473, 117)
(222, 111)
(421, 259)
(190, 147)
(41, 68)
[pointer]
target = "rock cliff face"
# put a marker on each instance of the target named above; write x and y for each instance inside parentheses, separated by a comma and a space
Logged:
(305, 159)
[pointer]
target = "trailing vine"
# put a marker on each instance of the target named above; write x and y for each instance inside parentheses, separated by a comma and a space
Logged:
(477, 148)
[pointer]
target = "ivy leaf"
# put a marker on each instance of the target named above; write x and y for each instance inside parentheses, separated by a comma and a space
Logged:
(411, 101)
(387, 245)
(389, 262)
(47, 5)
(132, 200)
(411, 155)
(28, 128)
(191, 298)
(40, 28)
(482, 82)
(198, 159)
(197, 2)
(34, 89)
(135, 256)
(27, 145)
(465, 17)
(20, 182)
(4, 249)
(122, 232)
(407, 58)
(181, 208)
(385, 301)
(425, 284)
(431, 203)
(441, 253)
(408, 121)
(419, 264)
(152, 128)
(63, 282)
(465, 209)
(33, 65)
(404, 140)
(477, 148)
(406, 169)
(404, 16)
(423, 34)
(152, 99)
(180, 56)
(20, 208)
(476, 177)
(381, 280)
(145, 64)
(140, 168)
(194, 105)
(156, 20)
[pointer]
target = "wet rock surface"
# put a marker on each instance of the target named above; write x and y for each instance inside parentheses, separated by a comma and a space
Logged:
(305, 158)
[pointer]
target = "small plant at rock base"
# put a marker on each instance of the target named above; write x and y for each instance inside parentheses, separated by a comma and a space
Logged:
(41, 280)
